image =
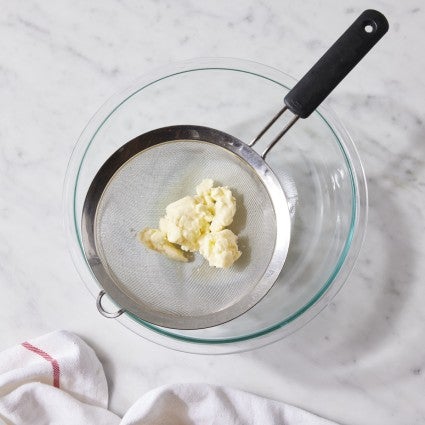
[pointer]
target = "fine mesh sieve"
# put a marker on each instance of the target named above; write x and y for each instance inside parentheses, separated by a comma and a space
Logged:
(133, 187)
(131, 191)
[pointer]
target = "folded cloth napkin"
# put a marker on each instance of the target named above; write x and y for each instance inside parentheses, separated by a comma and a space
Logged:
(57, 380)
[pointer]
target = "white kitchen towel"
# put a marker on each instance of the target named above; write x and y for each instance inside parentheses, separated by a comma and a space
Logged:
(202, 404)
(58, 380)
(55, 379)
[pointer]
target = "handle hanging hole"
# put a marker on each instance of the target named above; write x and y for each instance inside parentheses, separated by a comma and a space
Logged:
(369, 26)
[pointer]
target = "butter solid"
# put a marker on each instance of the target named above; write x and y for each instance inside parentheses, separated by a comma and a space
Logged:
(196, 223)
(220, 248)
(185, 222)
(156, 240)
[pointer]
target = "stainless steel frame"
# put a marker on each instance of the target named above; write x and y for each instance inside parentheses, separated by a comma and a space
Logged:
(137, 146)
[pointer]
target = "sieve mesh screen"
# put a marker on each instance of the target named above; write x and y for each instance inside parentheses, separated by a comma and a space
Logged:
(136, 197)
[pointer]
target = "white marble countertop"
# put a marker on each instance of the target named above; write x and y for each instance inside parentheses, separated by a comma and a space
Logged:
(362, 360)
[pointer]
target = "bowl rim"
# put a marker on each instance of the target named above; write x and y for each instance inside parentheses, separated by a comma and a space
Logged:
(316, 303)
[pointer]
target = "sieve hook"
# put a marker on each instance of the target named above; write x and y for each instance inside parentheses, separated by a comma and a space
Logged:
(330, 70)
(102, 311)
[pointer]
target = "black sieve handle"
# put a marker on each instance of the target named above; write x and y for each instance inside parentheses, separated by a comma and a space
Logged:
(336, 63)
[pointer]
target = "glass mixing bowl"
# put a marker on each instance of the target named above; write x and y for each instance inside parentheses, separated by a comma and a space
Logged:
(316, 163)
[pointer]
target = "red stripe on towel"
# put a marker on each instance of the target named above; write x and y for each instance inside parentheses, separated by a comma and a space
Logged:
(54, 362)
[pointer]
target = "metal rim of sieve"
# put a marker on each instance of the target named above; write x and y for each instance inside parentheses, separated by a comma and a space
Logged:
(174, 134)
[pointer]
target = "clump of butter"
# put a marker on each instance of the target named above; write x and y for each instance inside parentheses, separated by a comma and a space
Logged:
(155, 239)
(197, 223)
(220, 248)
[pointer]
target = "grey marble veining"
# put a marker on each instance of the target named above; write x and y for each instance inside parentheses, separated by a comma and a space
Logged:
(361, 361)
